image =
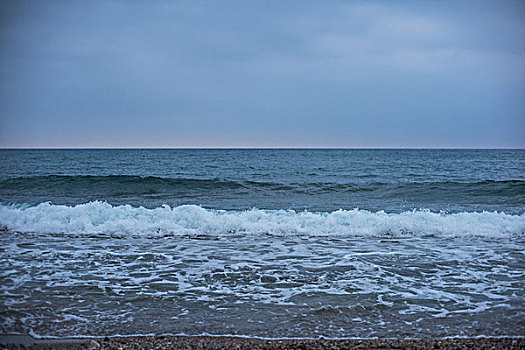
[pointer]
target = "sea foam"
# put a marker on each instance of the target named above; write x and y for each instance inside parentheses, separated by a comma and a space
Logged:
(103, 218)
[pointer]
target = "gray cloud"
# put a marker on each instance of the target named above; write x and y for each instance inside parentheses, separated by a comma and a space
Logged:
(293, 74)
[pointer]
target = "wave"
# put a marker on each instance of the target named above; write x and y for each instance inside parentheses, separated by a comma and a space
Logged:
(51, 181)
(132, 184)
(101, 218)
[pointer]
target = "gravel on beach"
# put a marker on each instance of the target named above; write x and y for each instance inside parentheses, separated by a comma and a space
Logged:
(224, 342)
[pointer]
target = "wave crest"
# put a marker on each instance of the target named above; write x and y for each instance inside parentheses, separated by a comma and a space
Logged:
(103, 218)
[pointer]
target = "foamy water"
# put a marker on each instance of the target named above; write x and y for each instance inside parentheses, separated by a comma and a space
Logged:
(263, 243)
(105, 219)
(97, 269)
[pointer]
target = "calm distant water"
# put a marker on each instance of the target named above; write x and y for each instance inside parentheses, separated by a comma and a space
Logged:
(272, 243)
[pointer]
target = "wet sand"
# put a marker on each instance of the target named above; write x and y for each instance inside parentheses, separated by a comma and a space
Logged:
(219, 342)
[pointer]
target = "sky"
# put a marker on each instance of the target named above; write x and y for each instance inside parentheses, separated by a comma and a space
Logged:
(341, 74)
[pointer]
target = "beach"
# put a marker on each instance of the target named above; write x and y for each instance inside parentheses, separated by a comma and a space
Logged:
(222, 342)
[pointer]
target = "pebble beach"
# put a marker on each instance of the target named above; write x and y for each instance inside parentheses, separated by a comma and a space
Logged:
(220, 342)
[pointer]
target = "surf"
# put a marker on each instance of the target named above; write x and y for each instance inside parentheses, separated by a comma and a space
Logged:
(103, 218)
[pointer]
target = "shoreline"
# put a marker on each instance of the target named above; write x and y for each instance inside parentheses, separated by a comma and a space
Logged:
(237, 342)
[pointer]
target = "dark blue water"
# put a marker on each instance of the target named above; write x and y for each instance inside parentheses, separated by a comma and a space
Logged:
(314, 180)
(271, 243)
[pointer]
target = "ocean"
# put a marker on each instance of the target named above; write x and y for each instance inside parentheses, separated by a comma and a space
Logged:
(262, 243)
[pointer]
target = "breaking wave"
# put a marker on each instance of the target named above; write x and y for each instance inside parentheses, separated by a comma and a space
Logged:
(102, 218)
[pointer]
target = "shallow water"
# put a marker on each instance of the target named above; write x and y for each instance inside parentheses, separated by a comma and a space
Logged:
(267, 286)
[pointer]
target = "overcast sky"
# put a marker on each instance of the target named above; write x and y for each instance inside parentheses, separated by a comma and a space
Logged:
(262, 73)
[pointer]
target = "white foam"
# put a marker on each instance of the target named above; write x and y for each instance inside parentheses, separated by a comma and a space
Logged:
(103, 218)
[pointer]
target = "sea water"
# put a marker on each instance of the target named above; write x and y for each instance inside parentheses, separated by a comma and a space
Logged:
(268, 243)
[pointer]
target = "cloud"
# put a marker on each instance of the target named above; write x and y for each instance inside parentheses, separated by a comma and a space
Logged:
(338, 73)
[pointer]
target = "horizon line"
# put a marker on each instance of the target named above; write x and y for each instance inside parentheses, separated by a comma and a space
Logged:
(262, 148)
